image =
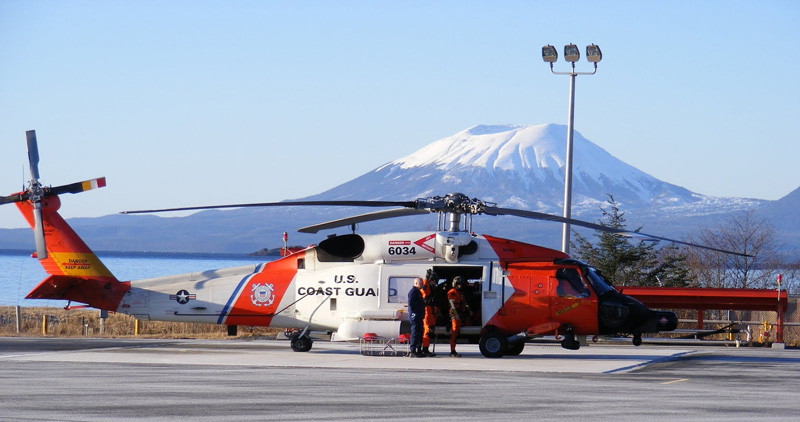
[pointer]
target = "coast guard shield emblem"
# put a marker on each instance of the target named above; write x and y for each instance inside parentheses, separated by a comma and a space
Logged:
(262, 294)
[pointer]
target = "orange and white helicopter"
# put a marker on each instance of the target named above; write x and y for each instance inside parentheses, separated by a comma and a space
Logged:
(354, 284)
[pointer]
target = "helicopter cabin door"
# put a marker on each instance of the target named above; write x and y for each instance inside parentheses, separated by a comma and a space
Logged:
(496, 291)
(573, 302)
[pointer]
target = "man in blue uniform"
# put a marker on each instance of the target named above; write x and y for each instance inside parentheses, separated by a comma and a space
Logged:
(416, 314)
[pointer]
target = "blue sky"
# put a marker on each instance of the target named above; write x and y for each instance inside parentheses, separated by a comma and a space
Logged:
(194, 102)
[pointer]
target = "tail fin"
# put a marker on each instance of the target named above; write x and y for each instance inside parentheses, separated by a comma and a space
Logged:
(76, 273)
(67, 254)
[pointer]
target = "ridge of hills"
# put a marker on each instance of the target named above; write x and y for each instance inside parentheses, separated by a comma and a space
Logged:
(513, 166)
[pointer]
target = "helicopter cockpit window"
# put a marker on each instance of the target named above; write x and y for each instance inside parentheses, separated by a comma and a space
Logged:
(600, 284)
(399, 288)
(571, 284)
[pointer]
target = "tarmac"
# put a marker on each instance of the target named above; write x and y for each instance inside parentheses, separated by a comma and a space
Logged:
(274, 353)
(56, 379)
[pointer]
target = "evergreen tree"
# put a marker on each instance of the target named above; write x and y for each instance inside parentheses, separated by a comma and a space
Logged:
(630, 264)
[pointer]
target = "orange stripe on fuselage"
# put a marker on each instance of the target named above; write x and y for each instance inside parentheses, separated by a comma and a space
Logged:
(514, 251)
(255, 303)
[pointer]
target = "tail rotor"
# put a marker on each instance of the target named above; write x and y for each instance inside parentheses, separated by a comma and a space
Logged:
(36, 193)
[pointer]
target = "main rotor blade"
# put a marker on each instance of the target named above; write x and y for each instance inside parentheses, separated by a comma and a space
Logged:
(33, 153)
(406, 204)
(38, 231)
(372, 216)
(654, 237)
(549, 217)
(79, 187)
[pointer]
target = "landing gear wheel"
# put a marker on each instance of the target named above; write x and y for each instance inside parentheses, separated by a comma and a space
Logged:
(514, 349)
(300, 344)
(637, 339)
(493, 345)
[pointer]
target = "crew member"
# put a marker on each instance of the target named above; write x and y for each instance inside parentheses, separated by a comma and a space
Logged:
(416, 312)
(429, 322)
(457, 307)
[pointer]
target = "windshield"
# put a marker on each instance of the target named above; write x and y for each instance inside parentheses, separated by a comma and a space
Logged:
(600, 284)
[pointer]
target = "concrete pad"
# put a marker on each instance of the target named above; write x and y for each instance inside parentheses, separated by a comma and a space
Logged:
(56, 379)
(591, 359)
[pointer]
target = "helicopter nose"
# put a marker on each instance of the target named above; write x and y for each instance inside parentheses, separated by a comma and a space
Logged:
(658, 321)
(625, 314)
(666, 321)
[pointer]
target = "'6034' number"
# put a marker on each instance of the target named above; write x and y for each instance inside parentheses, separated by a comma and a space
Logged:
(402, 250)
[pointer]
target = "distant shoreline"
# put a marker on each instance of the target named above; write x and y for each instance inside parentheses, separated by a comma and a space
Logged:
(144, 254)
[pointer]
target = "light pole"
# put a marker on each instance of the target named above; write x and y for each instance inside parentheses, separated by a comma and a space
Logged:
(571, 54)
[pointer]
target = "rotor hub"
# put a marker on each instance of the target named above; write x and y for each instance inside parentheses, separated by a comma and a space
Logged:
(453, 203)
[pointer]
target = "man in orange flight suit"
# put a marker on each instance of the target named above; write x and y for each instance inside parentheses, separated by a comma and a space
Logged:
(457, 307)
(429, 322)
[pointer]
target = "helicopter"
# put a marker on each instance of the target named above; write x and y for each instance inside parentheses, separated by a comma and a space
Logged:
(352, 284)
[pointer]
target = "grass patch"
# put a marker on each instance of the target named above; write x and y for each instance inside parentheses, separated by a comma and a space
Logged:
(86, 322)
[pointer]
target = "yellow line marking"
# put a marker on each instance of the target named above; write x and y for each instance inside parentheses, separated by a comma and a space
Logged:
(674, 381)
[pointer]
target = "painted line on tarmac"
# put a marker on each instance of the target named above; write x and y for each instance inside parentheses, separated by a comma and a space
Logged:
(675, 381)
(669, 358)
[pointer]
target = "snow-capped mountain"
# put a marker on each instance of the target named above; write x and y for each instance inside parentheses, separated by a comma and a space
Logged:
(523, 167)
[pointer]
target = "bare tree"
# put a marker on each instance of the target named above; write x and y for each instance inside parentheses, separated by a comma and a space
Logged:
(745, 233)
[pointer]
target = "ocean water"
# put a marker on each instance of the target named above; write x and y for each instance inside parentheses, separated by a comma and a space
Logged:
(19, 273)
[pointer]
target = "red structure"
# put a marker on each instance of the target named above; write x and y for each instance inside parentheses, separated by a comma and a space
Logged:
(707, 298)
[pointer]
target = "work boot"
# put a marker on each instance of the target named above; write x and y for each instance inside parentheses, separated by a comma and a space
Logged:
(427, 352)
(416, 354)
(454, 354)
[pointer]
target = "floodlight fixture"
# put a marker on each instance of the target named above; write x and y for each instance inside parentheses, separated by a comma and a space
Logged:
(593, 54)
(549, 54)
(572, 53)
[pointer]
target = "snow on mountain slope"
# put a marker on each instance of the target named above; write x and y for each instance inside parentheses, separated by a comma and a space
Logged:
(526, 149)
(523, 167)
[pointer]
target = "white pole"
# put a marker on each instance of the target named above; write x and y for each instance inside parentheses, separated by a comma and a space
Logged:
(568, 169)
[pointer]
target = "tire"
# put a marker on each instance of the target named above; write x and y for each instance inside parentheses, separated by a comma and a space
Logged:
(493, 344)
(515, 348)
(569, 342)
(300, 344)
(637, 339)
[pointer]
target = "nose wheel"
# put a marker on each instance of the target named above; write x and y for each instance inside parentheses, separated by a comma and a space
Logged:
(637, 339)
